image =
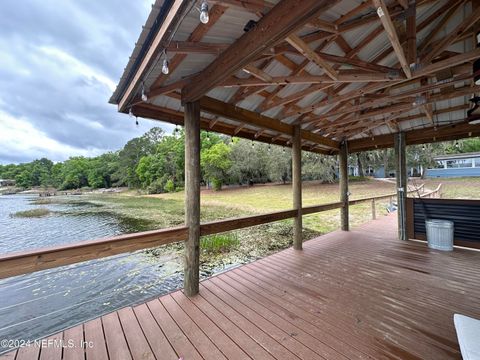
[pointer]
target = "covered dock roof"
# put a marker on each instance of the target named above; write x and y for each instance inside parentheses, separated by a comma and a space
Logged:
(344, 70)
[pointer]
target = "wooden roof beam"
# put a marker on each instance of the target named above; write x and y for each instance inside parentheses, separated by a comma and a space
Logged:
(389, 27)
(284, 19)
(344, 76)
(197, 34)
(304, 49)
(222, 109)
(152, 52)
(450, 38)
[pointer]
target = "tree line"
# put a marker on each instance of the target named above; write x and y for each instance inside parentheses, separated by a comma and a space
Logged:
(155, 162)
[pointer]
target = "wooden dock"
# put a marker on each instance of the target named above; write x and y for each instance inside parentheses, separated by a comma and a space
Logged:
(348, 295)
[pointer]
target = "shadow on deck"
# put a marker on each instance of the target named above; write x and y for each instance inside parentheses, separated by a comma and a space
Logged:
(356, 295)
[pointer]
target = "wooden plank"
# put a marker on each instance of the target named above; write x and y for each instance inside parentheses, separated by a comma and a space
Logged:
(268, 323)
(453, 34)
(268, 32)
(202, 343)
(220, 108)
(387, 23)
(50, 257)
(136, 340)
(53, 348)
(233, 330)
(319, 208)
(220, 226)
(117, 346)
(75, 336)
(154, 335)
(192, 197)
(265, 338)
(183, 347)
(222, 341)
(343, 76)
(28, 353)
(304, 49)
(94, 335)
(412, 32)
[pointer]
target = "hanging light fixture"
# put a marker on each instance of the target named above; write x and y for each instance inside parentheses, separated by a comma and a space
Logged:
(208, 136)
(130, 112)
(204, 12)
(253, 144)
(269, 147)
(136, 121)
(165, 69)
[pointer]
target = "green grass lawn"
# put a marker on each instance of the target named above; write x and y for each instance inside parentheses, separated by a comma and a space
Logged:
(268, 198)
(166, 210)
(456, 188)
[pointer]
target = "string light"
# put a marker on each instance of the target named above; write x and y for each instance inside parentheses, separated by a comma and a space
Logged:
(253, 144)
(269, 147)
(130, 112)
(165, 69)
(208, 136)
(204, 12)
(136, 121)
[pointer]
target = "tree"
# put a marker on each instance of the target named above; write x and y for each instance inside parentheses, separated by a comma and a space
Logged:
(216, 162)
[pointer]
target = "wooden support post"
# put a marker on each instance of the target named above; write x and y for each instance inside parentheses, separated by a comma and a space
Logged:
(343, 174)
(297, 185)
(192, 198)
(374, 210)
(401, 177)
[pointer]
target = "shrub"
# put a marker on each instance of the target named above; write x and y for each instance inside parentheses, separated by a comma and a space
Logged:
(217, 184)
(169, 186)
(219, 243)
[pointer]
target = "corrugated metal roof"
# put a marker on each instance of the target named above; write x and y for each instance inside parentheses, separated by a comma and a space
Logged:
(230, 27)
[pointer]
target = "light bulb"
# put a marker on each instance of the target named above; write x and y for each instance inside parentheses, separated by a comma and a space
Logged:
(144, 96)
(130, 112)
(253, 144)
(165, 68)
(204, 13)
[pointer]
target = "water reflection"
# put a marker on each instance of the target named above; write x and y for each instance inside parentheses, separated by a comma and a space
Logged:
(40, 304)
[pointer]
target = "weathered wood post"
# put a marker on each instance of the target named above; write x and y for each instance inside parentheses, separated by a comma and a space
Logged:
(401, 178)
(343, 174)
(192, 198)
(374, 210)
(297, 185)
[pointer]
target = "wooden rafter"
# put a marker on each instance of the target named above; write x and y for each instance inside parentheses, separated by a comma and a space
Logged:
(220, 108)
(389, 27)
(268, 32)
(447, 40)
(152, 52)
(197, 34)
(344, 76)
(311, 55)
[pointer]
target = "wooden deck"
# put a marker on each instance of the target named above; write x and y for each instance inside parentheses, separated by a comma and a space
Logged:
(356, 295)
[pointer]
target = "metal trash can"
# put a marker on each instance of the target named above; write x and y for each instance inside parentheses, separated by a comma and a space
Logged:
(439, 234)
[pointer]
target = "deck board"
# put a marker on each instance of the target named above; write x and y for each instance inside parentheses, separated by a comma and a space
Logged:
(348, 295)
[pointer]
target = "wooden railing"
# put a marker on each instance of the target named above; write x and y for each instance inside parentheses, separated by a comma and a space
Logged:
(50, 257)
(434, 194)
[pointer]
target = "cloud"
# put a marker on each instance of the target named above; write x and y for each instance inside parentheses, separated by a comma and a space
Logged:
(59, 64)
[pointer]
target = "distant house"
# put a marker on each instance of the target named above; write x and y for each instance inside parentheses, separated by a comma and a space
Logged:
(456, 165)
(379, 171)
(7, 182)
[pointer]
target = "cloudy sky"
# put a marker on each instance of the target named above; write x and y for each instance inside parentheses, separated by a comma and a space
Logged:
(59, 64)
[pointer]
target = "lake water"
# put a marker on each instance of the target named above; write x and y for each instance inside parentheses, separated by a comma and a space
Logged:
(40, 304)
